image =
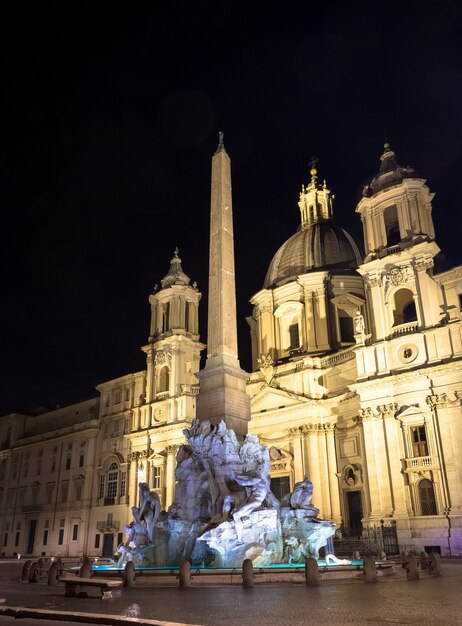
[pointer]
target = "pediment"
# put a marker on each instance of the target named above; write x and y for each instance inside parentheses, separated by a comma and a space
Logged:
(270, 398)
(409, 413)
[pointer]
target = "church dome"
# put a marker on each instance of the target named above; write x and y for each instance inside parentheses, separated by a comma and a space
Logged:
(319, 246)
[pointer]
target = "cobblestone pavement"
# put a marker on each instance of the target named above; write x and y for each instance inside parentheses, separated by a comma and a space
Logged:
(394, 600)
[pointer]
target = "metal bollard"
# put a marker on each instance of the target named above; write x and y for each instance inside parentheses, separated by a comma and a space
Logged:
(247, 574)
(369, 571)
(311, 572)
(185, 574)
(129, 574)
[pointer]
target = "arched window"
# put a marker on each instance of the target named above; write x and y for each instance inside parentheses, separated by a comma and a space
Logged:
(164, 379)
(390, 217)
(165, 317)
(112, 480)
(403, 307)
(409, 313)
(427, 497)
(112, 483)
(186, 315)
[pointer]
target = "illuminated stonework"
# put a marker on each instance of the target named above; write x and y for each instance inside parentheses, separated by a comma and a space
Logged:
(356, 382)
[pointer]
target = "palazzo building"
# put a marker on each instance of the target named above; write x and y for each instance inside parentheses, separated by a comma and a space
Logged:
(356, 382)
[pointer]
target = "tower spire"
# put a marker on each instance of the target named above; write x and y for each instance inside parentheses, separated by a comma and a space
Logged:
(222, 394)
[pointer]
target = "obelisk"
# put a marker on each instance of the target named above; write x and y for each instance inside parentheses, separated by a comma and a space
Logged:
(222, 393)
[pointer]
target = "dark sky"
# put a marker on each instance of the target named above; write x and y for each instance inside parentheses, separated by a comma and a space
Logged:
(110, 116)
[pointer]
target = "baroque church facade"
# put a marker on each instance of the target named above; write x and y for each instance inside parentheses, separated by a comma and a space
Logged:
(356, 382)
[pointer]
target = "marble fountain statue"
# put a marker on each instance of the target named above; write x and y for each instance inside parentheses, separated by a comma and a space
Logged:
(223, 509)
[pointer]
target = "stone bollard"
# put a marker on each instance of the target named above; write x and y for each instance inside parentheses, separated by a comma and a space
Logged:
(411, 567)
(311, 572)
(434, 564)
(247, 574)
(403, 557)
(423, 556)
(25, 570)
(129, 574)
(54, 573)
(33, 572)
(85, 569)
(185, 574)
(369, 571)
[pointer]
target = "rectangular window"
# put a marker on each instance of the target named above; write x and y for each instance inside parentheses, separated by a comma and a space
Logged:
(16, 539)
(50, 489)
(75, 532)
(127, 426)
(53, 464)
(102, 481)
(5, 540)
(39, 467)
(346, 327)
(78, 492)
(61, 537)
(419, 441)
(97, 540)
(45, 537)
(294, 336)
(157, 477)
(64, 492)
(123, 483)
(280, 486)
(81, 460)
(68, 463)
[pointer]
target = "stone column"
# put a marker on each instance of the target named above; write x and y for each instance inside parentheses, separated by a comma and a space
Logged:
(170, 474)
(395, 453)
(311, 434)
(373, 464)
(296, 438)
(333, 478)
(446, 414)
(133, 479)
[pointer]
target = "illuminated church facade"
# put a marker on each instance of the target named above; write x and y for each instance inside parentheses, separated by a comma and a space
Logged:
(356, 382)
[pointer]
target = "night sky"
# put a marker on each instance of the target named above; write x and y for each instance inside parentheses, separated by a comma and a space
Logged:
(110, 117)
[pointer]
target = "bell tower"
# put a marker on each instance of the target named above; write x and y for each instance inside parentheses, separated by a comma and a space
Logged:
(399, 241)
(173, 351)
(395, 209)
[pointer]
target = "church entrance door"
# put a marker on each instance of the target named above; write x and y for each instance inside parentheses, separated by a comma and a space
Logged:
(108, 544)
(355, 513)
(31, 538)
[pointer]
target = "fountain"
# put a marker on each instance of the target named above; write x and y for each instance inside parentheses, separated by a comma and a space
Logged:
(223, 509)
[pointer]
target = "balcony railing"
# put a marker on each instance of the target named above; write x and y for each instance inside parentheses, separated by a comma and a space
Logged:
(419, 463)
(108, 526)
(31, 508)
(404, 329)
